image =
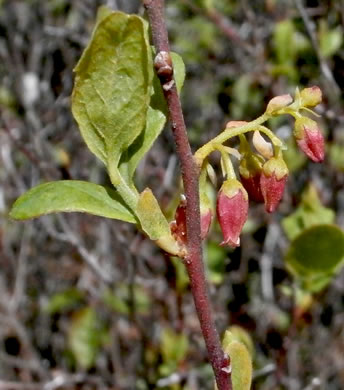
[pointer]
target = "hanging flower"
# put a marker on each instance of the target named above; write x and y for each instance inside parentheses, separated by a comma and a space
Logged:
(309, 138)
(272, 182)
(232, 210)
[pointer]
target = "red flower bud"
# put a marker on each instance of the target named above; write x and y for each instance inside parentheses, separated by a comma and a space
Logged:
(309, 138)
(272, 182)
(250, 169)
(232, 210)
(252, 186)
(178, 226)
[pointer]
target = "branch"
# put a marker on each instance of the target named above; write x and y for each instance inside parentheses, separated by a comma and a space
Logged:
(190, 174)
(331, 84)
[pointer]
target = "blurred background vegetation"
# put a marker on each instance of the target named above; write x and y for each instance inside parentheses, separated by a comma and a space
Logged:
(88, 303)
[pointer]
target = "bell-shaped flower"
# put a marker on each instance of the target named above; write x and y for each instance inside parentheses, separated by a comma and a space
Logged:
(272, 182)
(250, 170)
(232, 210)
(309, 138)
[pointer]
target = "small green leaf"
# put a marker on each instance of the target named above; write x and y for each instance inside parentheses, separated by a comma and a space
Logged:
(71, 196)
(120, 298)
(241, 364)
(310, 212)
(315, 255)
(63, 301)
(85, 337)
(237, 333)
(241, 361)
(174, 346)
(156, 119)
(155, 225)
(330, 41)
(283, 42)
(113, 85)
(153, 221)
(336, 155)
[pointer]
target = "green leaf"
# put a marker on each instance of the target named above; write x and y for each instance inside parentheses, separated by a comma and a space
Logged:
(237, 333)
(315, 255)
(330, 41)
(85, 337)
(102, 13)
(241, 364)
(113, 85)
(63, 301)
(152, 220)
(174, 346)
(284, 42)
(336, 155)
(69, 196)
(310, 212)
(118, 300)
(156, 118)
(241, 361)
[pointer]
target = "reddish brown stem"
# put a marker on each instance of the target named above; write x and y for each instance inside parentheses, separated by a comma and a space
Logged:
(190, 175)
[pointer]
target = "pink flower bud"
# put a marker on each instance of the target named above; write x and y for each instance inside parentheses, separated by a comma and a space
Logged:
(272, 182)
(278, 102)
(250, 169)
(310, 139)
(232, 210)
(311, 97)
(206, 215)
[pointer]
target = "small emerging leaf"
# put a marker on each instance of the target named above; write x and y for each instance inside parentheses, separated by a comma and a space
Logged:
(152, 220)
(71, 196)
(241, 362)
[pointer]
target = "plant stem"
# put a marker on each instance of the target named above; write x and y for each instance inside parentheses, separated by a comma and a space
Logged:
(231, 132)
(190, 175)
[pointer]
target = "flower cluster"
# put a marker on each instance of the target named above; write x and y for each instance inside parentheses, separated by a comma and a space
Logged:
(263, 175)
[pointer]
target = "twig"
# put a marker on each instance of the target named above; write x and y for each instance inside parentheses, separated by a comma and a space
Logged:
(332, 86)
(215, 17)
(190, 174)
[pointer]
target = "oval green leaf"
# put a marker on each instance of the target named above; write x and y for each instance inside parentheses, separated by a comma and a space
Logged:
(317, 251)
(69, 196)
(113, 85)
